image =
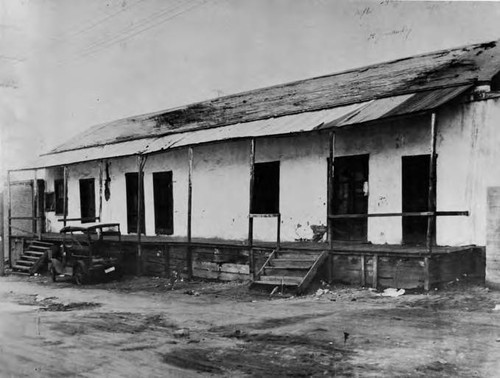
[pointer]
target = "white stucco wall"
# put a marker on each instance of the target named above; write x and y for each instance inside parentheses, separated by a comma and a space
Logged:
(466, 166)
(484, 161)
(303, 185)
(220, 190)
(115, 209)
(177, 162)
(455, 174)
(480, 153)
(386, 144)
(75, 173)
(468, 148)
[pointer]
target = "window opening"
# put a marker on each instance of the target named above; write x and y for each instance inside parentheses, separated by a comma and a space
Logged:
(266, 188)
(87, 200)
(59, 194)
(163, 203)
(132, 201)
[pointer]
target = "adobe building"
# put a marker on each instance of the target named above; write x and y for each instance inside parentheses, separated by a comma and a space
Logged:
(385, 175)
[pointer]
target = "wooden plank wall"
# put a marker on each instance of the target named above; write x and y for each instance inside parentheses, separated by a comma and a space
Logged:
(409, 272)
(231, 263)
(156, 260)
(401, 272)
(221, 263)
(393, 271)
(225, 263)
(347, 269)
(493, 237)
(468, 264)
(217, 263)
(228, 263)
(126, 252)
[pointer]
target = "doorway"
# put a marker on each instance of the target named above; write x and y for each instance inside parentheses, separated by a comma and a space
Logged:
(163, 203)
(41, 204)
(132, 201)
(415, 183)
(350, 196)
(87, 200)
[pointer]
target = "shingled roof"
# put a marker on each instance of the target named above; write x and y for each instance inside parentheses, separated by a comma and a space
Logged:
(443, 69)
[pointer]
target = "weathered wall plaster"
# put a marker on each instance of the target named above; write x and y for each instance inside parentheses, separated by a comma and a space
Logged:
(466, 147)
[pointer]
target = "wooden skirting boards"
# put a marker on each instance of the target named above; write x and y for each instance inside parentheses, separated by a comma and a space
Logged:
(371, 266)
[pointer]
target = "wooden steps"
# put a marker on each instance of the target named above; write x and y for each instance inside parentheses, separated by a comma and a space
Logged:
(279, 280)
(291, 268)
(33, 258)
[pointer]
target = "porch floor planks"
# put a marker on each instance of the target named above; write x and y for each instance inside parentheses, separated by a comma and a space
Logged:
(337, 246)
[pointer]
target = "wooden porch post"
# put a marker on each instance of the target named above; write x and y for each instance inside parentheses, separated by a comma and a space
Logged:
(65, 194)
(36, 206)
(9, 214)
(250, 207)
(100, 189)
(363, 271)
(2, 235)
(2, 231)
(189, 257)
(141, 161)
(431, 220)
(278, 231)
(426, 274)
(375, 271)
(329, 191)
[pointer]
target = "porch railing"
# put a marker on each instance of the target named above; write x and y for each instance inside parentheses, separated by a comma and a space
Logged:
(428, 214)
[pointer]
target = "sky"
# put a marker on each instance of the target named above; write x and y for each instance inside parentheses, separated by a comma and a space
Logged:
(66, 65)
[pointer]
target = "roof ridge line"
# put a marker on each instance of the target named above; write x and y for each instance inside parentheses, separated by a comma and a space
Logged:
(194, 128)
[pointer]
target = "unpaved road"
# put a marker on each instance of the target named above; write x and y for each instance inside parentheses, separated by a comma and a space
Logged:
(140, 328)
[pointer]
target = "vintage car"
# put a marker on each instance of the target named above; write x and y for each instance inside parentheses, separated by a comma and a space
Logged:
(85, 253)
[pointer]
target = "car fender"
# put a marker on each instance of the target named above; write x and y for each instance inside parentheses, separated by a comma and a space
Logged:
(58, 266)
(81, 264)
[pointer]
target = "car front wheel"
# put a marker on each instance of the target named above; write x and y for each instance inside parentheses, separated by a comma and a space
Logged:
(53, 274)
(80, 276)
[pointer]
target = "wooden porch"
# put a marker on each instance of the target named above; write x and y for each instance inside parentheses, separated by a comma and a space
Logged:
(362, 264)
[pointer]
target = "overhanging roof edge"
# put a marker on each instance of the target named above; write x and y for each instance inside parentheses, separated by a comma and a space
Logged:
(366, 112)
(198, 128)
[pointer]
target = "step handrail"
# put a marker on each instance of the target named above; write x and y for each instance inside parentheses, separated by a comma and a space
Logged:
(269, 258)
(312, 272)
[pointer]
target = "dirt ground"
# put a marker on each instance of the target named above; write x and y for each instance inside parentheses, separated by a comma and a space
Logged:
(139, 327)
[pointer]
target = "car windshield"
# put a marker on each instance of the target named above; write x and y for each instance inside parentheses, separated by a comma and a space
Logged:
(79, 237)
(108, 229)
(76, 243)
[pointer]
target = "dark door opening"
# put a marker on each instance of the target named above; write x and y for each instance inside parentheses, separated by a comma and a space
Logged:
(87, 200)
(132, 201)
(59, 197)
(415, 182)
(266, 188)
(350, 196)
(41, 204)
(163, 203)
